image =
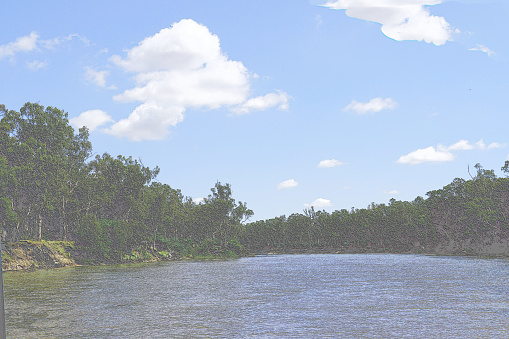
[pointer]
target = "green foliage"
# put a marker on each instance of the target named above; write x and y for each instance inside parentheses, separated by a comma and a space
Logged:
(103, 239)
(474, 209)
(49, 189)
(189, 248)
(91, 235)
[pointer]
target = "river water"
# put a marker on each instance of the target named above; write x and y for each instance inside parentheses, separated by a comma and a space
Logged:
(280, 296)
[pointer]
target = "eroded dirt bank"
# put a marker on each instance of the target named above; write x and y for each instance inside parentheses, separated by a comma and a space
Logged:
(30, 255)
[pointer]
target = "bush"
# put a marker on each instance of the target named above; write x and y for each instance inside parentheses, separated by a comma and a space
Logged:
(103, 239)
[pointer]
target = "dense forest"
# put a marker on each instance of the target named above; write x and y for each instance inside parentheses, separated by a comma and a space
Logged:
(52, 188)
(464, 217)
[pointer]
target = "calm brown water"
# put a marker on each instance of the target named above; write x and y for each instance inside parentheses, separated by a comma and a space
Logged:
(282, 296)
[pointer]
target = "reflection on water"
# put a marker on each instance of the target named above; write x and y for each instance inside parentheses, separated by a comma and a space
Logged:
(284, 296)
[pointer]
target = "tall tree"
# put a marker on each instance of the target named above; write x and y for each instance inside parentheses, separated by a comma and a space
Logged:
(41, 148)
(226, 214)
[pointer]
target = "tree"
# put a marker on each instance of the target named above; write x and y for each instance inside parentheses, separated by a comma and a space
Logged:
(41, 148)
(225, 214)
(8, 217)
(116, 184)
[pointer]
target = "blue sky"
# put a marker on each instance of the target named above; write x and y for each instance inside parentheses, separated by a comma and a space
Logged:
(294, 103)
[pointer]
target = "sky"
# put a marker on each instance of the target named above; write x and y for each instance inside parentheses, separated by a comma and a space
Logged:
(331, 104)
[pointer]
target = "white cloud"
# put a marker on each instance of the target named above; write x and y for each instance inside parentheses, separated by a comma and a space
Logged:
(149, 121)
(320, 202)
(329, 163)
(33, 42)
(92, 119)
(465, 145)
(400, 19)
(23, 44)
(372, 106)
(444, 153)
(96, 77)
(178, 68)
(462, 145)
(484, 49)
(51, 43)
(290, 183)
(495, 145)
(36, 65)
(393, 192)
(429, 154)
(198, 200)
(279, 99)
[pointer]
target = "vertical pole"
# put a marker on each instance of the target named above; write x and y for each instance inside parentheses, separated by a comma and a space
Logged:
(3, 333)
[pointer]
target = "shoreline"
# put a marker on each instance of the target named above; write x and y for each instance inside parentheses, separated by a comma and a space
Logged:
(34, 255)
(439, 251)
(30, 255)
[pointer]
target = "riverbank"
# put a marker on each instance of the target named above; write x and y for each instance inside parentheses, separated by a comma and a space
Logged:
(489, 248)
(31, 255)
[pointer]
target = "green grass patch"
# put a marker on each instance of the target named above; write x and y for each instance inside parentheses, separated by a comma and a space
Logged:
(164, 254)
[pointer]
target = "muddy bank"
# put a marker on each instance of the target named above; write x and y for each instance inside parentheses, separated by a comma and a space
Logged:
(31, 255)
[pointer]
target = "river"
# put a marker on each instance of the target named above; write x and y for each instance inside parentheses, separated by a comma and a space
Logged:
(279, 296)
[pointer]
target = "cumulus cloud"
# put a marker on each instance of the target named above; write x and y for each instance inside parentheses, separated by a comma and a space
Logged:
(23, 44)
(329, 163)
(429, 154)
(393, 192)
(290, 183)
(279, 99)
(400, 19)
(372, 106)
(98, 78)
(320, 202)
(444, 153)
(484, 49)
(178, 68)
(149, 121)
(92, 119)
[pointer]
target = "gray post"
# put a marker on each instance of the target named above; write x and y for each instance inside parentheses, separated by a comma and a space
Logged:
(3, 333)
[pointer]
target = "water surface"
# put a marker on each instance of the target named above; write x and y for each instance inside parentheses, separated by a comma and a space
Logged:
(280, 296)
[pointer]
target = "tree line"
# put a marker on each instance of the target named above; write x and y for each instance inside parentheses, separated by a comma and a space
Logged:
(52, 188)
(467, 212)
